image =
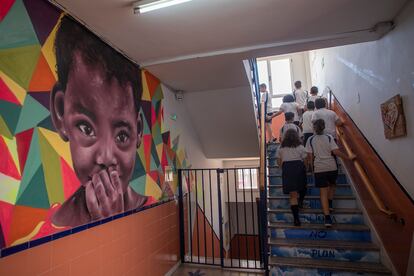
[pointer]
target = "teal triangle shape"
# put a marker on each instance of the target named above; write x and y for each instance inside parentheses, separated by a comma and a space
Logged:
(146, 129)
(155, 161)
(138, 184)
(33, 163)
(139, 169)
(10, 113)
(31, 115)
(35, 194)
(47, 123)
(16, 29)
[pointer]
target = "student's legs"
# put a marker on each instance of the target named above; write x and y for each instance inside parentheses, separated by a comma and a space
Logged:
(269, 134)
(324, 200)
(294, 207)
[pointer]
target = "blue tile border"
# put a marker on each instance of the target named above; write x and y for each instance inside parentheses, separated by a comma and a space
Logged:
(30, 244)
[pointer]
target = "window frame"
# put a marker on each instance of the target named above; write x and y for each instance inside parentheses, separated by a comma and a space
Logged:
(240, 189)
(269, 75)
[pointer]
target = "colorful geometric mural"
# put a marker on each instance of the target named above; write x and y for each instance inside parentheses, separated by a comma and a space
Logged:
(36, 169)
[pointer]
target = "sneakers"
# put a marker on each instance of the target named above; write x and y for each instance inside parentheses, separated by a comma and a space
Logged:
(328, 221)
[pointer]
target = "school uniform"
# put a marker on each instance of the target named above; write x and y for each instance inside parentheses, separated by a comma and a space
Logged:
(325, 167)
(288, 126)
(330, 118)
(269, 109)
(312, 98)
(293, 168)
(291, 107)
(301, 97)
(307, 125)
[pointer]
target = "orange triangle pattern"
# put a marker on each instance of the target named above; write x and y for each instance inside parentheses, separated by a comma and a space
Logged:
(42, 78)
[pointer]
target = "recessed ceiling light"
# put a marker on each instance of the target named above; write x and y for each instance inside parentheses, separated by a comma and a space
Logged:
(151, 5)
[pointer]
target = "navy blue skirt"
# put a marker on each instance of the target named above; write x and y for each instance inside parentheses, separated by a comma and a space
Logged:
(293, 176)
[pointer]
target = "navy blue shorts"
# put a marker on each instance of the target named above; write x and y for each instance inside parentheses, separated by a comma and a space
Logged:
(325, 179)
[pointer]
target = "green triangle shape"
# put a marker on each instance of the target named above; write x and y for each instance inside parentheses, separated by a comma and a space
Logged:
(158, 95)
(47, 123)
(10, 113)
(35, 194)
(156, 134)
(19, 63)
(4, 129)
(32, 114)
(52, 171)
(16, 29)
(139, 169)
(138, 184)
(33, 163)
(155, 161)
(146, 129)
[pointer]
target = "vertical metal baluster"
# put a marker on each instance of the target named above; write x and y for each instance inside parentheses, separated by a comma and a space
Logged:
(220, 217)
(181, 214)
(198, 232)
(252, 202)
(205, 218)
(229, 216)
(237, 213)
(189, 210)
(245, 221)
(211, 216)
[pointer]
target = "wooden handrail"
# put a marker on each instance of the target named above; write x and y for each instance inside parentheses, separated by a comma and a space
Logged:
(262, 146)
(373, 193)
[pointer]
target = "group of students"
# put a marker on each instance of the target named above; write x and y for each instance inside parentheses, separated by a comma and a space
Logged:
(308, 143)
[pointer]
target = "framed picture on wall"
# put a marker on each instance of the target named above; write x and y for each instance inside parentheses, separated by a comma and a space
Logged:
(393, 118)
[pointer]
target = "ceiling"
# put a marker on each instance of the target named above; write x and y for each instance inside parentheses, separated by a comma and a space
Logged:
(200, 45)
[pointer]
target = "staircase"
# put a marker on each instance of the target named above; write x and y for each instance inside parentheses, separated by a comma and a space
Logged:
(312, 249)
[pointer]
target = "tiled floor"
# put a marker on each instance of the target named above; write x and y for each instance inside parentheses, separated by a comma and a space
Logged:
(198, 270)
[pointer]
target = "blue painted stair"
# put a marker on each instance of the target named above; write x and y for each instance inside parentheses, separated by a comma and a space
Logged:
(312, 249)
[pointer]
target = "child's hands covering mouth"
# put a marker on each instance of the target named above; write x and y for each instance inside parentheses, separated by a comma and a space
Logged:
(104, 195)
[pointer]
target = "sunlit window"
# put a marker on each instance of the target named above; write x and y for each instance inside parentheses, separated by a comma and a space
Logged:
(247, 179)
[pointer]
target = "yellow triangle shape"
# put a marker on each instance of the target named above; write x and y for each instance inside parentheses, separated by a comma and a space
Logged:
(145, 91)
(16, 89)
(159, 151)
(8, 189)
(152, 189)
(60, 146)
(48, 49)
(12, 146)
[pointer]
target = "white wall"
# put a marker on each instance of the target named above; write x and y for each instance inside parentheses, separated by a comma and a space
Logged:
(376, 71)
(224, 121)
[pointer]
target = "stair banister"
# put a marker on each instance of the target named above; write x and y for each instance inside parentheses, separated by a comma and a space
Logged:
(262, 145)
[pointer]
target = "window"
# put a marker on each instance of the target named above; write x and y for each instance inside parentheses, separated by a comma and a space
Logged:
(247, 179)
(276, 73)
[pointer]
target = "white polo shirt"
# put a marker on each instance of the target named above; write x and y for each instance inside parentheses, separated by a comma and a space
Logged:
(307, 125)
(330, 119)
(291, 154)
(301, 97)
(322, 146)
(290, 107)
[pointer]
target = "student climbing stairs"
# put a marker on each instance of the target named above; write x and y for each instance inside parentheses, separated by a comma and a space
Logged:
(346, 248)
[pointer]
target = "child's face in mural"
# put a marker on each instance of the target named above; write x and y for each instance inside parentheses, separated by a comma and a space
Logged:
(99, 119)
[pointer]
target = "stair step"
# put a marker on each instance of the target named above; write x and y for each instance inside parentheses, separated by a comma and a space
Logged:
(277, 179)
(312, 202)
(349, 216)
(304, 266)
(341, 189)
(326, 250)
(313, 231)
(317, 211)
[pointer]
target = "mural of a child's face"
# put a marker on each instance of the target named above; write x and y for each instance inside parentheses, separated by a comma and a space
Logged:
(99, 119)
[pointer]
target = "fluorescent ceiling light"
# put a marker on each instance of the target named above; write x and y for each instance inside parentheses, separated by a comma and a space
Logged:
(147, 6)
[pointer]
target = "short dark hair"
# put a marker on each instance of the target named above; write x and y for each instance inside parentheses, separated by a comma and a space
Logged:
(72, 38)
(289, 116)
(320, 103)
(291, 139)
(314, 90)
(319, 126)
(298, 84)
(288, 99)
(263, 85)
(310, 105)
